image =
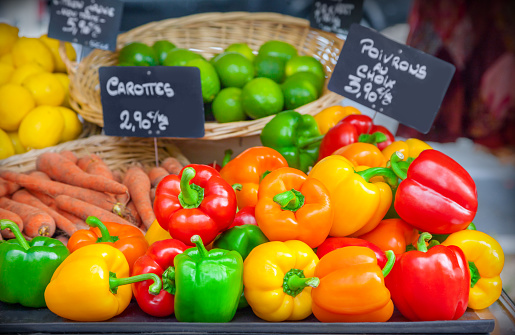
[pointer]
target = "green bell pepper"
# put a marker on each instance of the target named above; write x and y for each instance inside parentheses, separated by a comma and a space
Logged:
(27, 267)
(208, 284)
(295, 136)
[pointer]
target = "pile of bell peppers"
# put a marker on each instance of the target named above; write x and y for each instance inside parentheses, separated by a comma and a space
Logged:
(345, 223)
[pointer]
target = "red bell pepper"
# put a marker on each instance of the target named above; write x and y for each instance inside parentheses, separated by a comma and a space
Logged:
(196, 202)
(333, 243)
(436, 194)
(246, 215)
(348, 131)
(430, 285)
(159, 260)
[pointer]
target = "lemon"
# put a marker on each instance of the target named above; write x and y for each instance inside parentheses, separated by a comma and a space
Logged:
(15, 140)
(234, 70)
(72, 124)
(243, 49)
(45, 88)
(65, 81)
(32, 50)
(53, 46)
(8, 36)
(261, 97)
(41, 128)
(279, 49)
(6, 147)
(7, 59)
(304, 64)
(15, 102)
(23, 72)
(209, 80)
(6, 72)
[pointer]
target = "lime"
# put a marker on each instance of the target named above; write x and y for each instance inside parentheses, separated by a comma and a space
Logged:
(304, 64)
(162, 48)
(262, 97)
(137, 54)
(227, 105)
(298, 93)
(179, 57)
(208, 78)
(309, 77)
(242, 48)
(269, 67)
(233, 69)
(279, 49)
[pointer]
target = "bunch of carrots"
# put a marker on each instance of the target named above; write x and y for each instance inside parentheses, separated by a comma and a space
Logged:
(57, 196)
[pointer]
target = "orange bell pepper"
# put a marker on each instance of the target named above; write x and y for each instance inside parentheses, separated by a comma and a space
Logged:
(392, 234)
(292, 206)
(351, 287)
(410, 148)
(330, 116)
(128, 239)
(360, 153)
(248, 168)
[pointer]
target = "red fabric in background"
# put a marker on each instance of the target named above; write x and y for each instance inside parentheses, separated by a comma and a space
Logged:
(478, 37)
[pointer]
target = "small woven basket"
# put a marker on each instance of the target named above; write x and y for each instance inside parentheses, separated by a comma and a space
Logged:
(209, 34)
(119, 153)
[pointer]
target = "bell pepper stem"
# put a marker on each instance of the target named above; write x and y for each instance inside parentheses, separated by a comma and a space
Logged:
(398, 166)
(200, 246)
(374, 138)
(290, 200)
(474, 274)
(154, 288)
(294, 282)
(169, 280)
(390, 177)
(390, 256)
(105, 236)
(264, 175)
(227, 157)
(421, 243)
(8, 224)
(471, 226)
(191, 195)
(304, 142)
(237, 187)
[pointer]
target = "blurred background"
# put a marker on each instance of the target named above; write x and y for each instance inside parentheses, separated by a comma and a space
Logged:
(476, 122)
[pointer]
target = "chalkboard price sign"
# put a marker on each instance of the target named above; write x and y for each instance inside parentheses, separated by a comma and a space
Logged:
(336, 16)
(92, 23)
(391, 78)
(161, 101)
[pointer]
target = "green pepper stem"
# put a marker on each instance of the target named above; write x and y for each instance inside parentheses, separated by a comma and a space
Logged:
(191, 195)
(8, 224)
(421, 243)
(105, 236)
(390, 177)
(290, 200)
(474, 274)
(374, 138)
(398, 167)
(169, 280)
(200, 246)
(264, 175)
(471, 226)
(304, 142)
(154, 288)
(390, 256)
(297, 283)
(227, 157)
(237, 187)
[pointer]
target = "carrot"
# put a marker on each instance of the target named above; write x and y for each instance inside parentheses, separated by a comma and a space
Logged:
(70, 155)
(83, 209)
(138, 183)
(7, 187)
(62, 238)
(172, 165)
(61, 222)
(35, 221)
(5, 214)
(39, 174)
(156, 174)
(54, 188)
(61, 169)
(79, 223)
(131, 214)
(94, 165)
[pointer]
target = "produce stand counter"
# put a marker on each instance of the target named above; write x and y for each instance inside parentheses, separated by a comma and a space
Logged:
(497, 319)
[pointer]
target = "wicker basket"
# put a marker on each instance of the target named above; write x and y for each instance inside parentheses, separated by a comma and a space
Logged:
(117, 152)
(209, 34)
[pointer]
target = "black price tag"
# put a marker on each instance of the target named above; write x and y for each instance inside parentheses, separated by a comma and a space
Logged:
(336, 16)
(92, 23)
(158, 101)
(391, 78)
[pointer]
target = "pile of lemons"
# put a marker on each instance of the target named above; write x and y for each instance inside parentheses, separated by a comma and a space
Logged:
(34, 110)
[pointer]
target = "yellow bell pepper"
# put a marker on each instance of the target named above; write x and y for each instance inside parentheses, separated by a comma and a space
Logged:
(330, 116)
(486, 261)
(410, 148)
(278, 277)
(87, 286)
(156, 233)
(359, 205)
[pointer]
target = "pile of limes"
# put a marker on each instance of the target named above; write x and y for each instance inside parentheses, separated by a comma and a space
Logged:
(34, 111)
(238, 84)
